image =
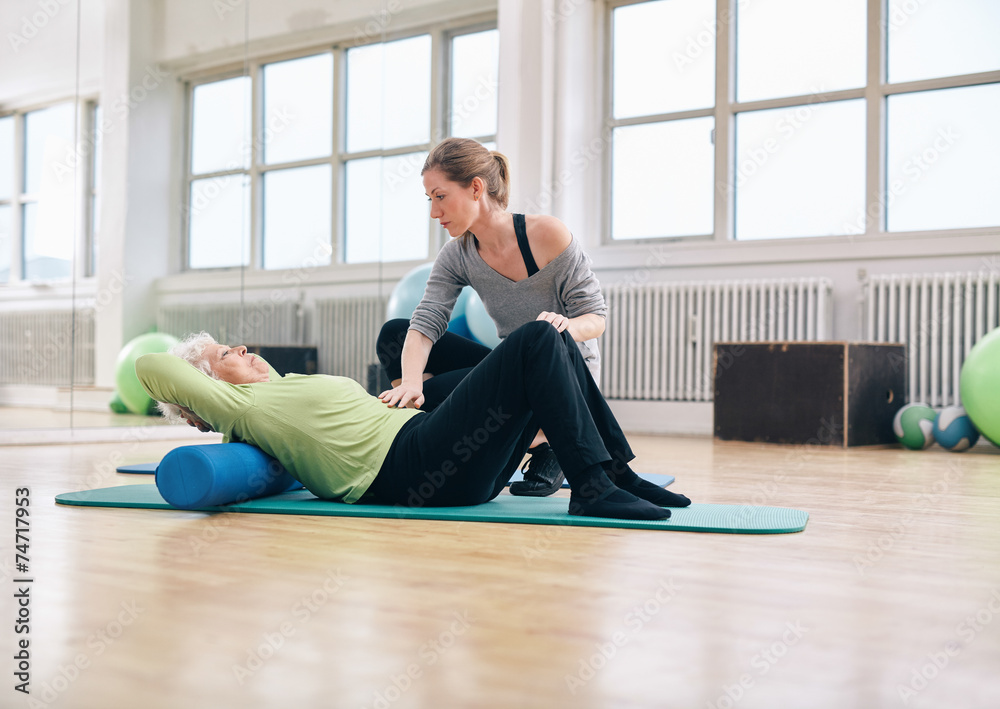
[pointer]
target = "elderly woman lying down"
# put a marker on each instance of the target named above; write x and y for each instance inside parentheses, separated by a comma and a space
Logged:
(343, 444)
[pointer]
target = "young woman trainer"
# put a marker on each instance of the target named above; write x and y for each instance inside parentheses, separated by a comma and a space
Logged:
(524, 267)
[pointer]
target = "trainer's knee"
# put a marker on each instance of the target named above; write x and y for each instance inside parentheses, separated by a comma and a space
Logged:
(389, 345)
(534, 331)
(393, 330)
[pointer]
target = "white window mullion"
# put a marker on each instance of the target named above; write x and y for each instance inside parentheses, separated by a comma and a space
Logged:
(440, 114)
(256, 150)
(17, 204)
(186, 198)
(725, 119)
(875, 188)
(84, 131)
(607, 125)
(338, 223)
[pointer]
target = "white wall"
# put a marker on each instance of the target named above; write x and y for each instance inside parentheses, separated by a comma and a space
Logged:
(197, 29)
(38, 45)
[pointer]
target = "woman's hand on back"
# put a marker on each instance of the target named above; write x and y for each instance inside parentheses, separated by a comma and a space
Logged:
(405, 395)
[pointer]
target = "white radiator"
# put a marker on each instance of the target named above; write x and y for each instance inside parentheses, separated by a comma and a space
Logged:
(659, 337)
(346, 329)
(262, 322)
(45, 347)
(939, 317)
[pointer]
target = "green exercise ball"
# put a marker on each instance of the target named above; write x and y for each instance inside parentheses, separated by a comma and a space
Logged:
(980, 386)
(914, 426)
(130, 391)
(117, 405)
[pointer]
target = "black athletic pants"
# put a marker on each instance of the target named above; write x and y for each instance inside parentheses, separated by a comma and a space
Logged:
(451, 359)
(467, 449)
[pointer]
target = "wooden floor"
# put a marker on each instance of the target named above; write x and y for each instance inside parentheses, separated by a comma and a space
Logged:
(889, 598)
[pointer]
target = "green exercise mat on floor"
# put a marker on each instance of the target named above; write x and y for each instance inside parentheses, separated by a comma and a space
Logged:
(730, 519)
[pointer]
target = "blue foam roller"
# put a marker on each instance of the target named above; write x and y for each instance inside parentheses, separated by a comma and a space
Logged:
(190, 477)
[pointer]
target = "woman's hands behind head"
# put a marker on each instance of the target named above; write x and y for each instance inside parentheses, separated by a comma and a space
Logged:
(194, 420)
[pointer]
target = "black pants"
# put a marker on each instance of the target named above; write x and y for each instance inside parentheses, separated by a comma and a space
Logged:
(452, 358)
(467, 449)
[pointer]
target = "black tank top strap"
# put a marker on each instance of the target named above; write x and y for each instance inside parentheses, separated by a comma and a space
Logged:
(522, 243)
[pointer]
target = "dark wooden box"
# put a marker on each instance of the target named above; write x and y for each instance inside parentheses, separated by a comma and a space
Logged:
(288, 358)
(828, 393)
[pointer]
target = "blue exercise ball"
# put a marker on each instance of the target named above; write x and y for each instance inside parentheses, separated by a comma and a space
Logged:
(481, 325)
(408, 293)
(953, 430)
(459, 323)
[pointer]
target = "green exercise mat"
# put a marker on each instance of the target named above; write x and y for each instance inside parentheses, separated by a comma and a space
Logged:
(730, 519)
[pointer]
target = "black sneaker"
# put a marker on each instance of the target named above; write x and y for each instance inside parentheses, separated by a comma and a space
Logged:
(542, 474)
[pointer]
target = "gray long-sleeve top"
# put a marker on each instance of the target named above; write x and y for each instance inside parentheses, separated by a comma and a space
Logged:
(566, 285)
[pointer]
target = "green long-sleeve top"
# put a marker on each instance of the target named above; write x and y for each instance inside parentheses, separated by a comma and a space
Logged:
(328, 432)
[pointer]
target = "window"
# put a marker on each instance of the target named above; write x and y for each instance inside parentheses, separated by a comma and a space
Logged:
(388, 131)
(7, 179)
(44, 171)
(789, 154)
(942, 145)
(327, 168)
(218, 209)
(475, 59)
(663, 160)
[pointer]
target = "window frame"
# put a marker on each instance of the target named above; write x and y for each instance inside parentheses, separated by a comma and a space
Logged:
(440, 33)
(875, 92)
(83, 252)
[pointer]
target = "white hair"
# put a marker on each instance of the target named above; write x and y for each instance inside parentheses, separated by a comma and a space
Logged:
(192, 350)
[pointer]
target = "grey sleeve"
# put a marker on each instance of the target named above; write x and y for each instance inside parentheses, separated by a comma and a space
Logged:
(444, 285)
(580, 290)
